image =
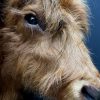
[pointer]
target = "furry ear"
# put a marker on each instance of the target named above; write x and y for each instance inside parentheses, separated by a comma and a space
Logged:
(64, 2)
(78, 9)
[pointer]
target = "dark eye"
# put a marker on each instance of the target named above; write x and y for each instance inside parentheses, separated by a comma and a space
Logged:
(31, 19)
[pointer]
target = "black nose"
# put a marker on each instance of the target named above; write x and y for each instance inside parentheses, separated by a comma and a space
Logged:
(90, 93)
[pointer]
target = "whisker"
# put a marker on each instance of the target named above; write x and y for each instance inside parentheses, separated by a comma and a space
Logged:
(32, 31)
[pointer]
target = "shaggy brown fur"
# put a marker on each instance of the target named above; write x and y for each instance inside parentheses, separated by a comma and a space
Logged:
(49, 57)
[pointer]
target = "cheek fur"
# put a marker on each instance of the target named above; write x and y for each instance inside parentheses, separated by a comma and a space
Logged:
(50, 64)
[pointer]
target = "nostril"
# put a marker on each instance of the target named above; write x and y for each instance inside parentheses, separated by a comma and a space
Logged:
(90, 93)
(86, 93)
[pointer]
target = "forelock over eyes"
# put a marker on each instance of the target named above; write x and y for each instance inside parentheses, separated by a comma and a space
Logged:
(19, 3)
